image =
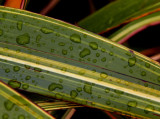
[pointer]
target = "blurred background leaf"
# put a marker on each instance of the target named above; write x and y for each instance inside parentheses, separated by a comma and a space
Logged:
(117, 13)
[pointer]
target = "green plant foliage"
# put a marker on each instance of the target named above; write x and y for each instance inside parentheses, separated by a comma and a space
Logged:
(118, 12)
(15, 106)
(135, 26)
(47, 56)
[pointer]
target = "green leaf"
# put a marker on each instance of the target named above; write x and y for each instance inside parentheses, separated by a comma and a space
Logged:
(134, 27)
(47, 56)
(15, 106)
(118, 12)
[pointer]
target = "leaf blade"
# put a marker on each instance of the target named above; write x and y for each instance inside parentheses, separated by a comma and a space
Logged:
(67, 73)
(13, 100)
(135, 27)
(117, 13)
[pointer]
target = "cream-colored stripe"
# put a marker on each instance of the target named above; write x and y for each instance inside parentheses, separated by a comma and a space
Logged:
(133, 27)
(146, 96)
(96, 75)
(20, 104)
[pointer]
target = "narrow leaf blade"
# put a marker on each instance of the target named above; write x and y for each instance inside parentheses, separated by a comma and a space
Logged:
(14, 105)
(118, 12)
(134, 27)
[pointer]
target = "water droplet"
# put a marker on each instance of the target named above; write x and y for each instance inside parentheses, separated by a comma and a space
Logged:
(103, 59)
(73, 94)
(103, 75)
(23, 39)
(16, 68)
(25, 86)
(147, 65)
(14, 84)
(71, 48)
(108, 102)
(5, 116)
(75, 38)
(27, 67)
(89, 59)
(143, 73)
(88, 88)
(28, 77)
(93, 45)
(53, 86)
(16, 109)
(107, 90)
(38, 38)
(64, 69)
(149, 108)
(1, 32)
(64, 52)
(132, 61)
(103, 50)
(61, 44)
(94, 60)
(7, 70)
(79, 89)
(37, 69)
(111, 53)
(97, 54)
(100, 79)
(52, 50)
(19, 25)
(132, 104)
(81, 72)
(46, 30)
(33, 81)
(21, 117)
(8, 105)
(84, 53)
(93, 103)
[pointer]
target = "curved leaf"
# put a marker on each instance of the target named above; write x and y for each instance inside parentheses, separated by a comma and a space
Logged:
(13, 105)
(134, 27)
(53, 58)
(118, 12)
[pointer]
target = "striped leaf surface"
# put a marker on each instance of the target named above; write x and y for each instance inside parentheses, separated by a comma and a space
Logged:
(15, 106)
(118, 12)
(50, 57)
(134, 27)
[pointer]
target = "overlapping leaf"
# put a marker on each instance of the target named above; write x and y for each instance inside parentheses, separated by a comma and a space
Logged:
(13, 105)
(50, 57)
(118, 12)
(134, 27)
